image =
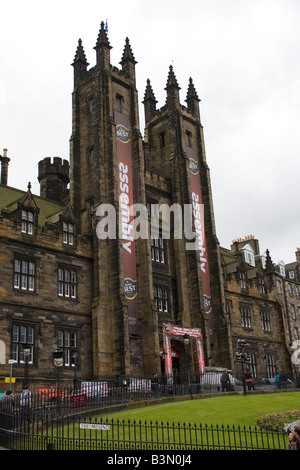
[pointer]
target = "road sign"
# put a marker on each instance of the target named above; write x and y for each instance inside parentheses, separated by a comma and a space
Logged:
(96, 427)
(8, 380)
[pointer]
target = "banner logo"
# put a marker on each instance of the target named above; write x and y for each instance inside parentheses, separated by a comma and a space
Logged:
(130, 288)
(123, 133)
(193, 166)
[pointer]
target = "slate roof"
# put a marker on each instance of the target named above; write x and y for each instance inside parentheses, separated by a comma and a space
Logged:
(49, 211)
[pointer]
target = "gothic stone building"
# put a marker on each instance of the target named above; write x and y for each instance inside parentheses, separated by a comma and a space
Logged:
(73, 277)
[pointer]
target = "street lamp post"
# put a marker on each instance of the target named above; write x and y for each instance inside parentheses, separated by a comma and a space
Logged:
(75, 359)
(58, 359)
(11, 362)
(26, 356)
(186, 342)
(242, 356)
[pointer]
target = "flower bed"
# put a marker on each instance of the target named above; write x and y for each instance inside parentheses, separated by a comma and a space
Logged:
(276, 421)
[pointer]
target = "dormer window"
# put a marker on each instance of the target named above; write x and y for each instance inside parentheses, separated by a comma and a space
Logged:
(281, 266)
(68, 233)
(263, 262)
(248, 255)
(27, 222)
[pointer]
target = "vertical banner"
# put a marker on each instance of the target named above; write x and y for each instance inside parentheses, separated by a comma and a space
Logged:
(172, 330)
(168, 354)
(126, 226)
(198, 219)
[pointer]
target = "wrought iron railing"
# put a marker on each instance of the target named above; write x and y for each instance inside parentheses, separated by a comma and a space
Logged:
(73, 433)
(50, 419)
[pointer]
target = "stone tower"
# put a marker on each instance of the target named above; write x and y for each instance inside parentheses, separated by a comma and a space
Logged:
(175, 152)
(107, 168)
(141, 283)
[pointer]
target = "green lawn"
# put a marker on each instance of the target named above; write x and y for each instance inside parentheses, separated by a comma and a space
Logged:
(227, 410)
(221, 422)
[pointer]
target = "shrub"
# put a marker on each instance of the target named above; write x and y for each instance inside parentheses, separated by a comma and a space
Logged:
(275, 421)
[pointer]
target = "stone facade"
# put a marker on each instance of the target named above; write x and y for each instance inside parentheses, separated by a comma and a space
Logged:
(64, 286)
(33, 310)
(258, 309)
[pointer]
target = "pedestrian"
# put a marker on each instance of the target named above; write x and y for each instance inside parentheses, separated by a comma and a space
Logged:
(225, 382)
(282, 380)
(25, 403)
(292, 441)
(7, 410)
(7, 401)
(154, 385)
(249, 379)
(295, 444)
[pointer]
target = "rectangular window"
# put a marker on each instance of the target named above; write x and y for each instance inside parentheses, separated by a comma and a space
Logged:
(293, 312)
(90, 103)
(265, 318)
(162, 139)
(21, 335)
(68, 233)
(242, 279)
(158, 250)
(290, 290)
(67, 283)
(245, 317)
(119, 101)
(278, 285)
(161, 298)
(188, 138)
(270, 364)
(27, 222)
(261, 284)
(91, 155)
(253, 364)
(24, 275)
(67, 341)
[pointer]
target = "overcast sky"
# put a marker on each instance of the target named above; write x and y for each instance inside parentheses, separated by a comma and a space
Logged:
(244, 58)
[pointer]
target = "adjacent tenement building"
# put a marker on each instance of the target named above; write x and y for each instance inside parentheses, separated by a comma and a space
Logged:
(258, 308)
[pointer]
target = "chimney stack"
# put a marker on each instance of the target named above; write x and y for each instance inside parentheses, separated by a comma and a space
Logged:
(4, 167)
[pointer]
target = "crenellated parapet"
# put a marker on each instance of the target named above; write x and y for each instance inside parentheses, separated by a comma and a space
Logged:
(54, 178)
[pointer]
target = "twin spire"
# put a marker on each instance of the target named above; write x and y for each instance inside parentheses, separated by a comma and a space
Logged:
(102, 48)
(128, 62)
(172, 88)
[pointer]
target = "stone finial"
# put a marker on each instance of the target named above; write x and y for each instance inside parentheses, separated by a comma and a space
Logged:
(102, 48)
